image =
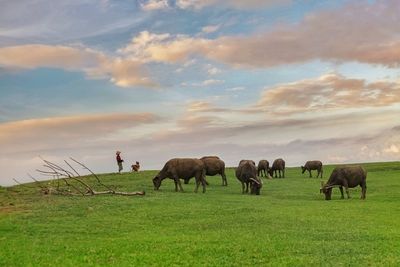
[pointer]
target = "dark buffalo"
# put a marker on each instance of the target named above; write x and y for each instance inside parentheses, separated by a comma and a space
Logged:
(277, 166)
(182, 168)
(246, 173)
(347, 177)
(214, 165)
(262, 168)
(312, 165)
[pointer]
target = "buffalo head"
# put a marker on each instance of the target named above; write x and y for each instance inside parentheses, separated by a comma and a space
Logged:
(327, 190)
(303, 169)
(255, 186)
(157, 182)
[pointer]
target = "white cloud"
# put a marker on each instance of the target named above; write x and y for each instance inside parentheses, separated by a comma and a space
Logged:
(211, 70)
(154, 5)
(212, 82)
(392, 149)
(137, 48)
(210, 28)
(236, 89)
(204, 83)
(238, 4)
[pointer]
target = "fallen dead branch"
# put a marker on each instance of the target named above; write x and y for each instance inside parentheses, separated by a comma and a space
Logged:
(68, 181)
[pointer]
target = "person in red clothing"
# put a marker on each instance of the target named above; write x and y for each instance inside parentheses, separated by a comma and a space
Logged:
(119, 161)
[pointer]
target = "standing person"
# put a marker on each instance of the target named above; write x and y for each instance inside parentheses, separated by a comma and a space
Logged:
(119, 161)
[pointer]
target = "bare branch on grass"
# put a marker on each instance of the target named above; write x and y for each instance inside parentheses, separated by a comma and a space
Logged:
(71, 180)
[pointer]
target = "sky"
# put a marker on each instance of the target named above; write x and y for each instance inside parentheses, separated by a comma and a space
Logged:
(158, 79)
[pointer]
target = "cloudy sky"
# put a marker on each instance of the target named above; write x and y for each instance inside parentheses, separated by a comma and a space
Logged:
(156, 79)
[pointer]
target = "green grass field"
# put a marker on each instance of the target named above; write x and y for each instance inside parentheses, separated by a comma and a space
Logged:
(289, 224)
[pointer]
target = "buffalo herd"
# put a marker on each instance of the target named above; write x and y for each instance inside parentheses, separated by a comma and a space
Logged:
(250, 175)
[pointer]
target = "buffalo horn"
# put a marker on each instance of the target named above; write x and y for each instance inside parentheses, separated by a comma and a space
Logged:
(254, 180)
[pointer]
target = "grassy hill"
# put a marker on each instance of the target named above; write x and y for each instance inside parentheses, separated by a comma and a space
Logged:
(289, 224)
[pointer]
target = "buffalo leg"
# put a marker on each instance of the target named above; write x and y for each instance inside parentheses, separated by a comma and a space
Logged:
(201, 177)
(341, 191)
(309, 171)
(224, 181)
(363, 190)
(283, 171)
(242, 188)
(177, 182)
(247, 187)
(204, 183)
(180, 185)
(347, 192)
(176, 186)
(197, 185)
(346, 187)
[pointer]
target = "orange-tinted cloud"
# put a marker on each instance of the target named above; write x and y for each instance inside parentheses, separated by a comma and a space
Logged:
(122, 72)
(363, 32)
(36, 55)
(330, 91)
(62, 132)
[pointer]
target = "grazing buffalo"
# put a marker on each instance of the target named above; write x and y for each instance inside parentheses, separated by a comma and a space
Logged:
(214, 165)
(262, 168)
(277, 166)
(347, 177)
(312, 165)
(246, 173)
(184, 168)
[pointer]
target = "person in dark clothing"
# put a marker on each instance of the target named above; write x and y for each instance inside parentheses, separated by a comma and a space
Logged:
(119, 161)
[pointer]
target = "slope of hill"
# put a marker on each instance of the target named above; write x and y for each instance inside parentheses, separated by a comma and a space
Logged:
(290, 223)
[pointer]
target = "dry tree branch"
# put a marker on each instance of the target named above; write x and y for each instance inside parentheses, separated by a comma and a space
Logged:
(138, 193)
(73, 186)
(86, 168)
(72, 168)
(36, 181)
(23, 185)
(63, 172)
(60, 173)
